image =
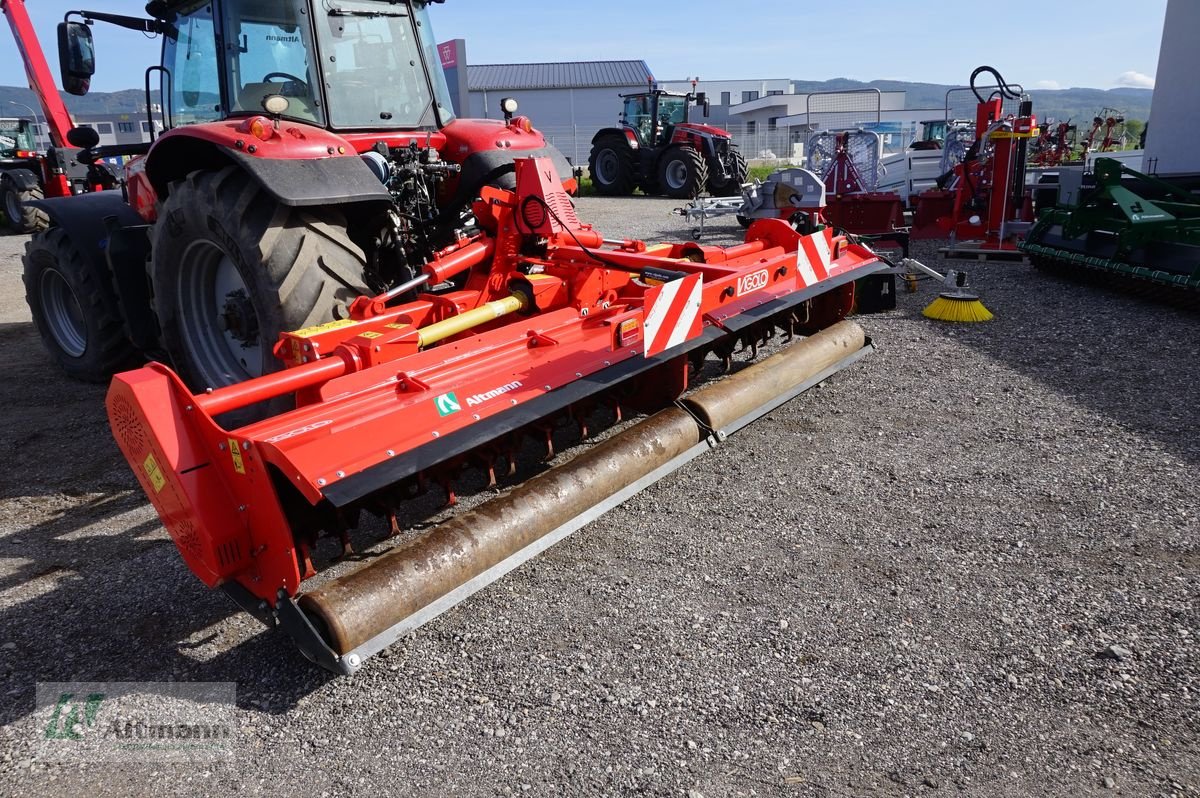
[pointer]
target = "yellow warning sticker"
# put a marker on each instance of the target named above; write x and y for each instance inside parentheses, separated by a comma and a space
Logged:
(235, 451)
(154, 473)
(310, 332)
(398, 326)
(371, 336)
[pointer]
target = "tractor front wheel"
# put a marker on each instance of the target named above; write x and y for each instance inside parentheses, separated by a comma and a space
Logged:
(612, 167)
(233, 268)
(19, 216)
(75, 308)
(738, 170)
(682, 173)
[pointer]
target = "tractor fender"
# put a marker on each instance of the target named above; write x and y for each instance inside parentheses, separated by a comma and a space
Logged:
(22, 179)
(86, 220)
(92, 221)
(495, 167)
(621, 132)
(323, 181)
(296, 182)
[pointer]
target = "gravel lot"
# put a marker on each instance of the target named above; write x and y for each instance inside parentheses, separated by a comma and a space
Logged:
(897, 584)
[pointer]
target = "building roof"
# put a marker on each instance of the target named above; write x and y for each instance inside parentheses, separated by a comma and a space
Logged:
(575, 74)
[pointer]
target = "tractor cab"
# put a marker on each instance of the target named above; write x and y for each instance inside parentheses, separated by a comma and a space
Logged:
(344, 66)
(653, 115)
(16, 140)
(934, 133)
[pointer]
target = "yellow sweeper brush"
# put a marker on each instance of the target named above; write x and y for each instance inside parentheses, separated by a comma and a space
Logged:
(957, 303)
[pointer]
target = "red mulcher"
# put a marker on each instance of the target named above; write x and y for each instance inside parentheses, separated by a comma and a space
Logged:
(545, 318)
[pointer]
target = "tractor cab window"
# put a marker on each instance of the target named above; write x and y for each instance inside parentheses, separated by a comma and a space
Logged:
(373, 63)
(15, 134)
(672, 110)
(193, 80)
(269, 47)
(639, 115)
(935, 130)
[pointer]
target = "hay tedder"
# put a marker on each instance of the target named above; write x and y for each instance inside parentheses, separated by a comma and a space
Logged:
(532, 319)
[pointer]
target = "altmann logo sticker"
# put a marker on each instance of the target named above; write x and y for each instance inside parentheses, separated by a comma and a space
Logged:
(480, 398)
(447, 404)
(135, 722)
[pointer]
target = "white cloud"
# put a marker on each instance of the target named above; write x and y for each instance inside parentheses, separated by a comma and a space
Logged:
(1135, 80)
(1047, 84)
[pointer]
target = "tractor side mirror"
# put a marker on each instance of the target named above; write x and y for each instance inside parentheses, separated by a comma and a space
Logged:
(83, 137)
(702, 101)
(76, 57)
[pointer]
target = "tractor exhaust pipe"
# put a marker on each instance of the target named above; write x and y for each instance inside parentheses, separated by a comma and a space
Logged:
(363, 612)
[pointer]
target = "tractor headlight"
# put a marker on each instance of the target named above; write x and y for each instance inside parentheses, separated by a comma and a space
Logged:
(276, 104)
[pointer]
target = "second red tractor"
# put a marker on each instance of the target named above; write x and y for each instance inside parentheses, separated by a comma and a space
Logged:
(658, 149)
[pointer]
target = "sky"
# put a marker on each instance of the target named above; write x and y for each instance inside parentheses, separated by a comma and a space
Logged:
(1037, 43)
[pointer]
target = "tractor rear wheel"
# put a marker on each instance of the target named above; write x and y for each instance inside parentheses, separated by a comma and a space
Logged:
(738, 170)
(682, 173)
(232, 269)
(18, 215)
(611, 163)
(75, 309)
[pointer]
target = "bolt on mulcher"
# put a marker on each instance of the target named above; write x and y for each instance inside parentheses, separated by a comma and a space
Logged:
(544, 317)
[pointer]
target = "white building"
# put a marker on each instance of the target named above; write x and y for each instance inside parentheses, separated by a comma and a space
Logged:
(724, 95)
(1175, 113)
(568, 102)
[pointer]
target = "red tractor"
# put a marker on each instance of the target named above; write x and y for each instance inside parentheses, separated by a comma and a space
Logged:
(27, 173)
(659, 150)
(311, 157)
(20, 165)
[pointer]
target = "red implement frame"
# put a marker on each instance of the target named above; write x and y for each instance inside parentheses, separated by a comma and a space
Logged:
(989, 192)
(378, 401)
(853, 208)
(41, 81)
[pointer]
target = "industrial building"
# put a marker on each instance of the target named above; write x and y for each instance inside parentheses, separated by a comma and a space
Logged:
(569, 102)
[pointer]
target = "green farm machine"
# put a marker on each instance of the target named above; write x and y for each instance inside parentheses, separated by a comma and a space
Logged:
(1128, 225)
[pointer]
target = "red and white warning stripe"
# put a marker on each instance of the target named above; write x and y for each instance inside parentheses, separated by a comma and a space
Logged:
(673, 314)
(815, 256)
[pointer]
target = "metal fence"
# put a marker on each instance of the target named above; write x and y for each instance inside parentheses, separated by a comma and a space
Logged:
(774, 145)
(961, 102)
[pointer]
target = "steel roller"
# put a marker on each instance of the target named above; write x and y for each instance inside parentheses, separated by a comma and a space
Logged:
(367, 609)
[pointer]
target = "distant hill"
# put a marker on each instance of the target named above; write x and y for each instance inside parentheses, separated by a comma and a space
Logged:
(129, 101)
(1077, 104)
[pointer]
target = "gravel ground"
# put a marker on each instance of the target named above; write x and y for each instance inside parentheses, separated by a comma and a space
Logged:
(905, 582)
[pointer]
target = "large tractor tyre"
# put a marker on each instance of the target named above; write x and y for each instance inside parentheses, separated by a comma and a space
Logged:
(613, 168)
(19, 216)
(682, 173)
(75, 309)
(232, 269)
(739, 172)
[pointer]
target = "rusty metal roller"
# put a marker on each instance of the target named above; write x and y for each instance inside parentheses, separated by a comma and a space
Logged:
(369, 602)
(722, 403)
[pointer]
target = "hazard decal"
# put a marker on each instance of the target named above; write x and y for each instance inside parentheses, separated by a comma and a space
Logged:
(673, 314)
(815, 256)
